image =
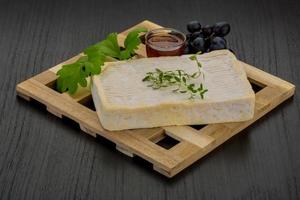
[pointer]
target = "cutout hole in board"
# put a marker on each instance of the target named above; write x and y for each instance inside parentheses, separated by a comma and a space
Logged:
(256, 86)
(88, 102)
(198, 127)
(167, 142)
(52, 85)
(143, 38)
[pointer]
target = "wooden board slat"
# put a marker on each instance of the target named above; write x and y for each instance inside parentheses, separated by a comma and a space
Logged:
(189, 134)
(193, 144)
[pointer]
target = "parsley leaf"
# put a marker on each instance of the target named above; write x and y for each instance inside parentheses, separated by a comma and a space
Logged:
(72, 75)
(109, 46)
(131, 43)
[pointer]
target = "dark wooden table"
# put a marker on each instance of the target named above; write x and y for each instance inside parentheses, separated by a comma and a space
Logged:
(43, 157)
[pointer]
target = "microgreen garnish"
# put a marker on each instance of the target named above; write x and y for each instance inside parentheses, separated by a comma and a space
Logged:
(179, 79)
(72, 75)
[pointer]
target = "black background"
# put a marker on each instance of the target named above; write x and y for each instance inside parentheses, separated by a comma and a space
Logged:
(43, 157)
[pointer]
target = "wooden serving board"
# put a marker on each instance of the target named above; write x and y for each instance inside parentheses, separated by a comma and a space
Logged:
(193, 143)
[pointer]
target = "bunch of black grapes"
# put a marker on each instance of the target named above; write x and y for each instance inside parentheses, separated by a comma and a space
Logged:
(207, 38)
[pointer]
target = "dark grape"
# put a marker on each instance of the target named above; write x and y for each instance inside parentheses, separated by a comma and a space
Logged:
(217, 43)
(195, 35)
(221, 29)
(225, 30)
(198, 44)
(186, 50)
(207, 30)
(193, 26)
(191, 49)
(216, 29)
(188, 36)
(207, 44)
(207, 38)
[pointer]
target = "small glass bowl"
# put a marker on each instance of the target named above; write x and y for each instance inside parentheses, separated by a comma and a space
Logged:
(165, 42)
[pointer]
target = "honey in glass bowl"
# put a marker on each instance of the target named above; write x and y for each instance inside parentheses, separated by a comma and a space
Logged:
(164, 42)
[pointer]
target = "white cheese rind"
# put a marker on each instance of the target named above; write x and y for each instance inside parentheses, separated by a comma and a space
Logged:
(123, 101)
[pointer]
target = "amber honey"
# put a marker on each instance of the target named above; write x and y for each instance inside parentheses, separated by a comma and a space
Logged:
(165, 42)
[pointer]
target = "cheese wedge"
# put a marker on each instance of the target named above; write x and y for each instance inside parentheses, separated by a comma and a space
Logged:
(123, 101)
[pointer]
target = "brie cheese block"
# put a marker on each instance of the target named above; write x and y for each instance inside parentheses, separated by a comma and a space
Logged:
(123, 100)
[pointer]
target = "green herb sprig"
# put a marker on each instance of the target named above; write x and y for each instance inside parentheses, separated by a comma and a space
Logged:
(179, 79)
(72, 75)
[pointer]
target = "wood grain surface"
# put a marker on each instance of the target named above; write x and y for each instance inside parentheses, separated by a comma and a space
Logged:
(42, 157)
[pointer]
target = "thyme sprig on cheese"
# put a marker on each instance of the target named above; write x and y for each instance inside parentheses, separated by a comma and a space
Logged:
(179, 79)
